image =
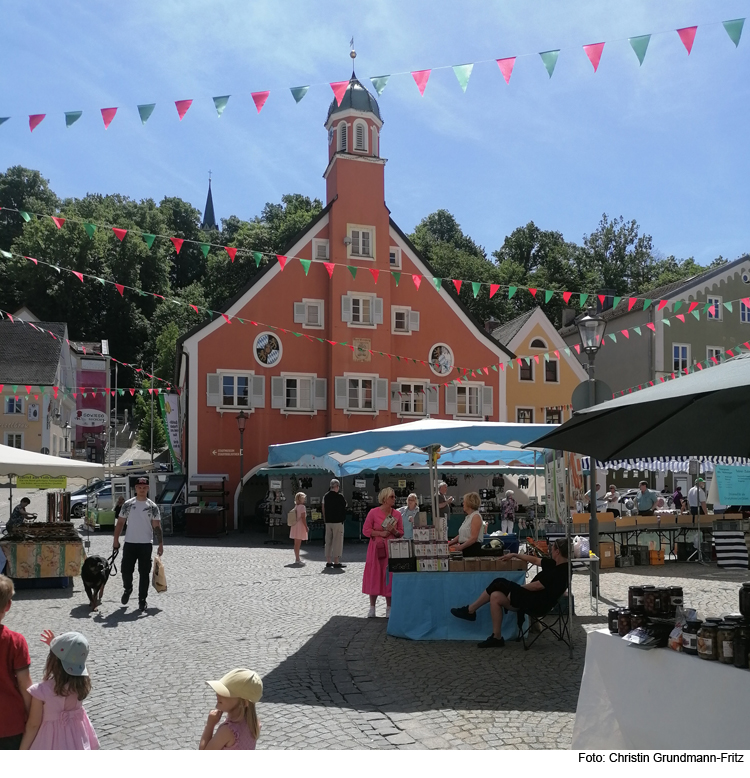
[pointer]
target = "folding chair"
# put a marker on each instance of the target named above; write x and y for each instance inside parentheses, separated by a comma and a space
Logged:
(555, 620)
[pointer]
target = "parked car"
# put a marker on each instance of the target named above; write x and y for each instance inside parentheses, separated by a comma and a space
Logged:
(100, 495)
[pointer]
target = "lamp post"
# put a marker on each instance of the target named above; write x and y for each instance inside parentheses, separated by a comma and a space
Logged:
(591, 329)
(66, 433)
(242, 418)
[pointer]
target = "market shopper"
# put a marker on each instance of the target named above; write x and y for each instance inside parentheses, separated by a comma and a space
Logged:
(144, 524)
(646, 499)
(678, 498)
(380, 526)
(409, 513)
(535, 597)
(299, 532)
(237, 693)
(508, 507)
(444, 502)
(612, 499)
(334, 516)
(696, 498)
(471, 532)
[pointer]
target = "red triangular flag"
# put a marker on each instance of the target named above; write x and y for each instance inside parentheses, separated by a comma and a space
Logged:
(375, 273)
(651, 326)
(78, 275)
(687, 36)
(330, 267)
(332, 342)
(150, 391)
(681, 317)
(536, 358)
(120, 233)
(602, 298)
(625, 333)
(662, 304)
(746, 302)
(120, 289)
(259, 98)
(533, 292)
(493, 289)
(113, 392)
(132, 392)
(282, 260)
(578, 347)
(177, 243)
(194, 307)
(35, 120)
(231, 251)
(417, 280)
(692, 307)
(182, 107)
(58, 220)
(339, 88)
(33, 260)
(557, 354)
(631, 303)
(421, 77)
(107, 115)
(506, 67)
(226, 318)
(457, 284)
(594, 53)
(567, 296)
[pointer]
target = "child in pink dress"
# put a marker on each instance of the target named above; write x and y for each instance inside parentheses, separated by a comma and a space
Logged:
(298, 532)
(57, 720)
(380, 525)
(236, 695)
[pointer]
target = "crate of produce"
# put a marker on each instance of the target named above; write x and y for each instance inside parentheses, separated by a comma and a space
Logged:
(656, 557)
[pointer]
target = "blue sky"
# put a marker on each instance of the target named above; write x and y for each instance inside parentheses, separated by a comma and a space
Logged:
(665, 143)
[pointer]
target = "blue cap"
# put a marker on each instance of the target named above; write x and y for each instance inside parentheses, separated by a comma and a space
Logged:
(72, 649)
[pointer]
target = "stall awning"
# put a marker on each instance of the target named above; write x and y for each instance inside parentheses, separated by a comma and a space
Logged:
(666, 464)
(17, 461)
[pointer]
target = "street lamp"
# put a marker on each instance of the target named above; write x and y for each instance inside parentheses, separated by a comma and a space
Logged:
(242, 418)
(591, 329)
(66, 432)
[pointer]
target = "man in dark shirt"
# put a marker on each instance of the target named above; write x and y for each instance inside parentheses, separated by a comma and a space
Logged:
(535, 597)
(334, 514)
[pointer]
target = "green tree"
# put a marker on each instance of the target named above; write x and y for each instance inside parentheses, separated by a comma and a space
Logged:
(25, 190)
(142, 414)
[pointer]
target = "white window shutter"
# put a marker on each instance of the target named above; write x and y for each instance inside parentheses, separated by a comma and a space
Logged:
(395, 399)
(378, 308)
(277, 392)
(259, 391)
(355, 241)
(433, 399)
(321, 394)
(486, 409)
(346, 308)
(451, 401)
(413, 321)
(321, 249)
(341, 399)
(299, 313)
(213, 390)
(359, 136)
(381, 394)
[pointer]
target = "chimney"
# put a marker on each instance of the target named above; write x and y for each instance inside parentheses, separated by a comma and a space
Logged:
(490, 325)
(568, 316)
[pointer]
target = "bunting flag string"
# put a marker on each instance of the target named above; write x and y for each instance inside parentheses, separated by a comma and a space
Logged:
(639, 44)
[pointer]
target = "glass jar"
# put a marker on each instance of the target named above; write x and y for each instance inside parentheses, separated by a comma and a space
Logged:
(637, 620)
(690, 637)
(623, 622)
(612, 620)
(675, 599)
(635, 599)
(707, 648)
(741, 644)
(652, 601)
(745, 600)
(725, 642)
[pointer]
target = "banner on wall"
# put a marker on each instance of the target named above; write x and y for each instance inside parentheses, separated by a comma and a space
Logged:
(554, 477)
(170, 414)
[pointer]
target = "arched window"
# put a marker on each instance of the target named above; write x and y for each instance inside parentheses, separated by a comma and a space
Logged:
(360, 136)
(538, 343)
(342, 144)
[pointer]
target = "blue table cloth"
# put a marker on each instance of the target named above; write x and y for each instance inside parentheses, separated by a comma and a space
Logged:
(422, 602)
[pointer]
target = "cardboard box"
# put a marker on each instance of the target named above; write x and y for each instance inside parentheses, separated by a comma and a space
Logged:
(443, 565)
(471, 564)
(486, 564)
(606, 554)
(421, 534)
(456, 565)
(420, 519)
(442, 548)
(518, 564)
(655, 557)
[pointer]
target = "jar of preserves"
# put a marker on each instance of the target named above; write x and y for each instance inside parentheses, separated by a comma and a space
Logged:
(745, 600)
(707, 648)
(637, 620)
(741, 644)
(623, 622)
(725, 642)
(690, 637)
(612, 619)
(635, 599)
(675, 599)
(652, 601)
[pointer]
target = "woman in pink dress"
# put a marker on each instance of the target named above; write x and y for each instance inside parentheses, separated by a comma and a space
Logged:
(57, 720)
(380, 525)
(298, 532)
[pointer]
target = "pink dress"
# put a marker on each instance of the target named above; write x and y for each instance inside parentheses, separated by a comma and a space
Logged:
(243, 739)
(65, 725)
(373, 580)
(299, 530)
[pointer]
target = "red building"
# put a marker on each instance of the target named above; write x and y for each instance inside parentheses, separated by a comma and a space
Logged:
(294, 388)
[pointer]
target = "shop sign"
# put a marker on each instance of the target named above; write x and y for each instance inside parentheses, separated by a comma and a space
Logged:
(225, 452)
(274, 484)
(41, 482)
(402, 483)
(360, 483)
(88, 417)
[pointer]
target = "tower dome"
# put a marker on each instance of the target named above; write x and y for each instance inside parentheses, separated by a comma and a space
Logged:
(356, 98)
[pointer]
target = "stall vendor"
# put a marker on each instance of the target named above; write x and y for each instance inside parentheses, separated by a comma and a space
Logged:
(646, 499)
(444, 502)
(20, 514)
(536, 597)
(471, 532)
(696, 498)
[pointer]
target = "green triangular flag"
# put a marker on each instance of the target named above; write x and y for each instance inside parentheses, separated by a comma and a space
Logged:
(616, 301)
(396, 277)
(84, 394)
(101, 280)
(298, 92)
(612, 336)
(667, 322)
(241, 321)
(297, 334)
(352, 270)
(511, 291)
(637, 329)
(90, 229)
(221, 104)
(548, 294)
(728, 306)
(6, 254)
(528, 360)
(437, 282)
(257, 256)
(145, 111)
(25, 216)
(550, 60)
(546, 357)
(71, 117)
(15, 388)
(306, 264)
(475, 287)
(567, 352)
(640, 44)
(696, 313)
(646, 303)
(149, 238)
(205, 248)
(494, 367)
(584, 297)
(734, 29)
(677, 306)
(379, 83)
(707, 307)
(463, 72)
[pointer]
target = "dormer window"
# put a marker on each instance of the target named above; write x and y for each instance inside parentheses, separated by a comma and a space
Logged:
(360, 136)
(342, 137)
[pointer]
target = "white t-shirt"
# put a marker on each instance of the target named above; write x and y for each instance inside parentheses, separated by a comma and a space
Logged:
(693, 497)
(139, 515)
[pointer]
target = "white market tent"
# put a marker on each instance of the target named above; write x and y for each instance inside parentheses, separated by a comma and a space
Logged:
(16, 461)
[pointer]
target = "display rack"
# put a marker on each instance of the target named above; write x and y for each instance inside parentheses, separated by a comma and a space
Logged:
(206, 513)
(274, 513)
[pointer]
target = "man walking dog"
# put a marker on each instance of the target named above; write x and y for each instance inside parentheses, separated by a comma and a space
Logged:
(144, 524)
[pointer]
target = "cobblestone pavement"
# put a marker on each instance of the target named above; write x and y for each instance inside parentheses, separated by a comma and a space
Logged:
(333, 679)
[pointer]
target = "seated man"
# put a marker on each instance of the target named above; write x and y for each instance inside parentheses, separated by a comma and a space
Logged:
(535, 597)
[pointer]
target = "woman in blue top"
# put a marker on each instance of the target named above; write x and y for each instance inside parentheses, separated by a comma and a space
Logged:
(409, 513)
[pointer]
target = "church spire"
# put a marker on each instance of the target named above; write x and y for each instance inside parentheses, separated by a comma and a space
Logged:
(209, 219)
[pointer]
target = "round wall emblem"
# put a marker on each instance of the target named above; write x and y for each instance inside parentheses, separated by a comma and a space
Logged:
(441, 359)
(267, 349)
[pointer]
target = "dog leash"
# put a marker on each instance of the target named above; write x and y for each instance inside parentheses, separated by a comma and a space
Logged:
(111, 561)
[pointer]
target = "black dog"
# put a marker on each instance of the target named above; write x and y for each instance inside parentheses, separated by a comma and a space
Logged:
(95, 573)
